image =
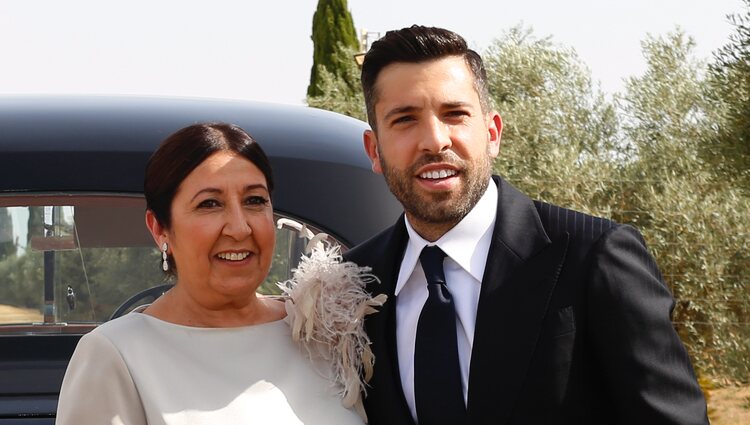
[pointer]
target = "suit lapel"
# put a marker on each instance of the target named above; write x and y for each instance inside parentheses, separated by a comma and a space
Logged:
(523, 265)
(381, 327)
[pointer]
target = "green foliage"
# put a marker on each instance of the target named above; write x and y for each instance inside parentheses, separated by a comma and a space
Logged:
(728, 147)
(638, 159)
(22, 280)
(663, 118)
(7, 244)
(560, 134)
(280, 270)
(337, 94)
(695, 223)
(102, 278)
(332, 30)
(105, 277)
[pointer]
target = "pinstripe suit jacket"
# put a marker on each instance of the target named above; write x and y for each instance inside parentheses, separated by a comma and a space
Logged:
(573, 326)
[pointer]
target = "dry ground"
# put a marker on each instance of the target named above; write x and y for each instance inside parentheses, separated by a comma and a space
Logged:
(729, 405)
(10, 314)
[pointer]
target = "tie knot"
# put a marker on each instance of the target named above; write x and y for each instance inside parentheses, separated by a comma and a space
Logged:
(432, 264)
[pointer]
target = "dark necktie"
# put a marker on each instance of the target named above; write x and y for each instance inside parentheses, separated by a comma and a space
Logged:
(437, 377)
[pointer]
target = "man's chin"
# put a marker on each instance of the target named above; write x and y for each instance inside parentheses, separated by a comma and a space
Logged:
(436, 210)
(437, 196)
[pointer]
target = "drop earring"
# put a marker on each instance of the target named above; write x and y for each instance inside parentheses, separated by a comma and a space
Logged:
(164, 262)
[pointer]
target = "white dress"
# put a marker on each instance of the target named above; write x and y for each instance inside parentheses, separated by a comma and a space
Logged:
(142, 370)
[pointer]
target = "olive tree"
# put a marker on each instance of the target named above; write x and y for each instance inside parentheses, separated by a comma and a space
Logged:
(695, 223)
(728, 88)
(560, 140)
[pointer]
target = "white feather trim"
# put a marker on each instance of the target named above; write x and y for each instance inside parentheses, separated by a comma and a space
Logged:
(326, 305)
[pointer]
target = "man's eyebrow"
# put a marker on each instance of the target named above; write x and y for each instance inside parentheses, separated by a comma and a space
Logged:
(399, 110)
(409, 109)
(457, 104)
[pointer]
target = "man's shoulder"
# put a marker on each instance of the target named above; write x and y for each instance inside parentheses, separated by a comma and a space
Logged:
(366, 252)
(554, 219)
(579, 225)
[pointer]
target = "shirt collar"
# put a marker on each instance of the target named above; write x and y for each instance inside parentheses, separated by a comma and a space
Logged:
(463, 243)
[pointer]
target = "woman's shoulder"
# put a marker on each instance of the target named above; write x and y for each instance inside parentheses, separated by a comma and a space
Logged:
(126, 324)
(121, 332)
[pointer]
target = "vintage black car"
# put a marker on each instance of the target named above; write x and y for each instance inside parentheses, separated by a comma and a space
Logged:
(74, 250)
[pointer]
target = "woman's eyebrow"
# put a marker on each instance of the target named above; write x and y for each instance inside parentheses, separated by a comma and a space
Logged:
(215, 190)
(206, 190)
(251, 187)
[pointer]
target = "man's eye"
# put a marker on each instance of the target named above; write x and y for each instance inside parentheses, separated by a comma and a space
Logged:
(458, 113)
(208, 203)
(256, 200)
(403, 119)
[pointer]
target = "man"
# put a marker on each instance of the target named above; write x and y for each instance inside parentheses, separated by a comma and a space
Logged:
(560, 317)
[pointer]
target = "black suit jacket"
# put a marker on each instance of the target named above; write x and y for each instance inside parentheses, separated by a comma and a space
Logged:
(573, 326)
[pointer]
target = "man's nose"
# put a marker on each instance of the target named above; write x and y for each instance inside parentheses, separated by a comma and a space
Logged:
(436, 137)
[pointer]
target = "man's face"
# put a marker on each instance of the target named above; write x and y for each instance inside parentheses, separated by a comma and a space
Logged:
(433, 144)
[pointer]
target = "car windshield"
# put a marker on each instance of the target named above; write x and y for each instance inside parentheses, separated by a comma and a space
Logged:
(68, 263)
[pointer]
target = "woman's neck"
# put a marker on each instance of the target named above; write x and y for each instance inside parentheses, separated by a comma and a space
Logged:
(177, 306)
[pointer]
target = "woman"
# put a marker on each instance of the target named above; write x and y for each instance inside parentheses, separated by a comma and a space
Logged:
(210, 350)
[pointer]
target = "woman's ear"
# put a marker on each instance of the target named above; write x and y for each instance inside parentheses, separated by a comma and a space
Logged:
(158, 232)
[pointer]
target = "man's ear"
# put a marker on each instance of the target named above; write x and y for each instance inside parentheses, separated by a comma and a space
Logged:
(371, 147)
(494, 131)
(158, 232)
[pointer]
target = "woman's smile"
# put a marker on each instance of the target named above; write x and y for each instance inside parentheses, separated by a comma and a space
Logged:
(233, 256)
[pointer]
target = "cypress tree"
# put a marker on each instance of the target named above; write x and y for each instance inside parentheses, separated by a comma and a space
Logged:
(332, 30)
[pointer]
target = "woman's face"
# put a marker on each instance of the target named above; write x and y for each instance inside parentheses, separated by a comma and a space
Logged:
(222, 235)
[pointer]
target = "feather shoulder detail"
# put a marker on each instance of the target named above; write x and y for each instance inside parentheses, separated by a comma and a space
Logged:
(326, 303)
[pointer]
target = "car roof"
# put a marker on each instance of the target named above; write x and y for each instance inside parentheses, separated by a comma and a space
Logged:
(100, 144)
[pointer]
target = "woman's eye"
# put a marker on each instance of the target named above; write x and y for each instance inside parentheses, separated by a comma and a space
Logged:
(208, 203)
(256, 200)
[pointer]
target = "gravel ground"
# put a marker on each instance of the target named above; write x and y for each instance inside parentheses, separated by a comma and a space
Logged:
(730, 405)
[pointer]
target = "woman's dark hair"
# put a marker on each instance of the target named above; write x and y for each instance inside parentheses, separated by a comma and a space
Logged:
(179, 154)
(417, 44)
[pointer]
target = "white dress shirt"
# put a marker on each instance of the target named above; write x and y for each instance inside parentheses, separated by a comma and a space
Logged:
(466, 246)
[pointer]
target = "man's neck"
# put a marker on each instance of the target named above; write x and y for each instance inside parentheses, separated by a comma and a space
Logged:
(428, 230)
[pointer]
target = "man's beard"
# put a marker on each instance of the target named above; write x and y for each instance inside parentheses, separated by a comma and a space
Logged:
(440, 207)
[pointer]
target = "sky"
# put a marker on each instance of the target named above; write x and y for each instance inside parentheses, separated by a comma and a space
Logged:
(261, 50)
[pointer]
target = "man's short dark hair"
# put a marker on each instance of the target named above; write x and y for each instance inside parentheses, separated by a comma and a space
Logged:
(417, 44)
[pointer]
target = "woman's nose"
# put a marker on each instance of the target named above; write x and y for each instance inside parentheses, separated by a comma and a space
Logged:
(237, 225)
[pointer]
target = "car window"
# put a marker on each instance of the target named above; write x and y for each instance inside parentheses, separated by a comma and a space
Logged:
(67, 263)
